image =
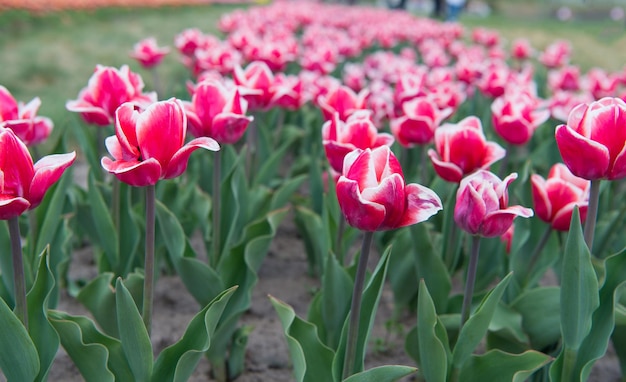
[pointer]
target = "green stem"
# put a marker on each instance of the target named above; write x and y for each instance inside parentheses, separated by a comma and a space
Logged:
(592, 213)
(450, 246)
(217, 180)
(471, 279)
(422, 164)
(536, 252)
(156, 82)
(340, 230)
(355, 308)
(569, 362)
(502, 172)
(19, 283)
(148, 285)
(115, 203)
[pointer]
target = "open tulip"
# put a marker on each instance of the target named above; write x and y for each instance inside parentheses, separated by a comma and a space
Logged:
(342, 100)
(148, 53)
(516, 116)
(482, 205)
(258, 80)
(593, 142)
(373, 196)
(22, 184)
(555, 198)
(417, 125)
(23, 119)
(149, 145)
(461, 149)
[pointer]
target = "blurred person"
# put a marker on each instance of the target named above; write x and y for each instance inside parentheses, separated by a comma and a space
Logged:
(454, 9)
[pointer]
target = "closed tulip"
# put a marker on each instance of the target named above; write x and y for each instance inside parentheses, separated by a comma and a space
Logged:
(417, 125)
(461, 149)
(482, 205)
(22, 183)
(148, 53)
(373, 196)
(555, 198)
(149, 145)
(593, 142)
(516, 116)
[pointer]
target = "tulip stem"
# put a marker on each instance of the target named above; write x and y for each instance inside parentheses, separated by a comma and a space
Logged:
(156, 82)
(148, 285)
(19, 283)
(534, 257)
(471, 279)
(592, 213)
(355, 308)
(338, 245)
(217, 180)
(115, 203)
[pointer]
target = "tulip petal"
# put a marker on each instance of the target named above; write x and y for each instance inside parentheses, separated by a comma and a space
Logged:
(389, 194)
(470, 209)
(563, 218)
(161, 131)
(47, 171)
(359, 213)
(585, 158)
(134, 173)
(446, 170)
(497, 223)
(178, 164)
(421, 204)
(541, 201)
(12, 207)
(618, 171)
(229, 127)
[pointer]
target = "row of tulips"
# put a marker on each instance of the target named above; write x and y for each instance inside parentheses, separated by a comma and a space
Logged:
(318, 105)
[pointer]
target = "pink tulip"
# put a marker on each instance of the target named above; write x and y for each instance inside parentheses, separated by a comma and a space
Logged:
(23, 119)
(189, 40)
(593, 142)
(358, 132)
(287, 92)
(22, 184)
(217, 112)
(462, 149)
(149, 145)
(417, 125)
(601, 84)
(562, 102)
(565, 78)
(555, 198)
(258, 79)
(148, 53)
(516, 116)
(342, 100)
(373, 196)
(482, 205)
(521, 49)
(107, 89)
(556, 54)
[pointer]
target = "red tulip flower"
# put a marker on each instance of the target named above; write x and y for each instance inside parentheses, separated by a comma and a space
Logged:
(22, 184)
(258, 79)
(593, 142)
(107, 89)
(217, 112)
(23, 119)
(521, 50)
(516, 116)
(149, 145)
(417, 125)
(373, 196)
(482, 205)
(342, 100)
(148, 53)
(358, 132)
(555, 198)
(462, 149)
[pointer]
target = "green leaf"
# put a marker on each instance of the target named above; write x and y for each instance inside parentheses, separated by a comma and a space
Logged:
(316, 241)
(540, 310)
(108, 238)
(335, 302)
(312, 360)
(579, 287)
(498, 366)
(133, 334)
(177, 362)
(430, 266)
(50, 222)
(387, 373)
(431, 341)
(233, 191)
(129, 231)
(171, 231)
(284, 193)
(270, 166)
(18, 354)
(44, 336)
(97, 356)
(476, 326)
(6, 265)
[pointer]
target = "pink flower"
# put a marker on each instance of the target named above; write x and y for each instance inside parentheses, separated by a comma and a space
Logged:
(555, 198)
(22, 184)
(149, 145)
(23, 119)
(564, 78)
(482, 205)
(516, 116)
(462, 149)
(593, 142)
(358, 132)
(521, 49)
(556, 54)
(342, 100)
(258, 79)
(148, 53)
(189, 40)
(107, 89)
(373, 196)
(417, 125)
(287, 92)
(217, 112)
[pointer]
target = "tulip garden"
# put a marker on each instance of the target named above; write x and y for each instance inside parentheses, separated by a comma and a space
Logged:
(469, 189)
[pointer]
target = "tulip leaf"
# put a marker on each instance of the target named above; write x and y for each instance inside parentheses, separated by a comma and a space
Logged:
(270, 166)
(387, 373)
(430, 266)
(52, 206)
(476, 326)
(314, 236)
(177, 362)
(172, 232)
(18, 354)
(282, 195)
(432, 342)
(44, 336)
(133, 334)
(579, 287)
(311, 359)
(403, 267)
(108, 238)
(498, 366)
(97, 356)
(129, 231)
(505, 330)
(233, 191)
(540, 310)
(6, 265)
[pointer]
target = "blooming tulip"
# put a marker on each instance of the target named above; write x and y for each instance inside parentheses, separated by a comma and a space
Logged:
(555, 198)
(516, 116)
(417, 125)
(149, 145)
(342, 100)
(148, 53)
(23, 119)
(107, 89)
(258, 79)
(22, 184)
(593, 142)
(482, 205)
(373, 196)
(217, 112)
(462, 149)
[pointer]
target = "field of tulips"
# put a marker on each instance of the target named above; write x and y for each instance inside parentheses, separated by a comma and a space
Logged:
(332, 193)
